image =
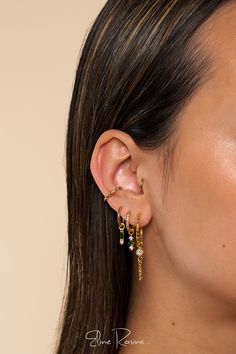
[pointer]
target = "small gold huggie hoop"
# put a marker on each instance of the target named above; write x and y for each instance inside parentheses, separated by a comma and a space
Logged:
(121, 225)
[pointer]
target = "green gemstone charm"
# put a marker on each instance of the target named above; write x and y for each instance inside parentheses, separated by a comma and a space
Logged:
(131, 238)
(131, 244)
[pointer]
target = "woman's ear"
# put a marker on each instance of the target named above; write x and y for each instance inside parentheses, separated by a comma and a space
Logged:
(117, 161)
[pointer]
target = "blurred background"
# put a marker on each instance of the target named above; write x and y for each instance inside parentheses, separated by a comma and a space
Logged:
(40, 47)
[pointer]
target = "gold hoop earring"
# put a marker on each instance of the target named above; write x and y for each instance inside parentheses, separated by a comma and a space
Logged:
(139, 250)
(139, 232)
(121, 226)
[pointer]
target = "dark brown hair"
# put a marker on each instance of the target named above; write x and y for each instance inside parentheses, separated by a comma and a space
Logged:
(140, 65)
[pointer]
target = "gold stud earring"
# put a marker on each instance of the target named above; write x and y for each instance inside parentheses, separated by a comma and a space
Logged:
(121, 225)
(139, 250)
(130, 230)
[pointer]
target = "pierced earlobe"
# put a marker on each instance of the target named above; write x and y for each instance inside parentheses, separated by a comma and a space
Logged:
(122, 223)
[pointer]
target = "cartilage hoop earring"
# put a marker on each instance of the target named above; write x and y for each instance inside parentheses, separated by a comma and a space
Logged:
(113, 191)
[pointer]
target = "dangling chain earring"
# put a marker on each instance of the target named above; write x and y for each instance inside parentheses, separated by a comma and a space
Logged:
(122, 223)
(139, 250)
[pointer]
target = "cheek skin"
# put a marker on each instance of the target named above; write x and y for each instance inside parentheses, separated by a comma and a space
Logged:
(200, 226)
(199, 222)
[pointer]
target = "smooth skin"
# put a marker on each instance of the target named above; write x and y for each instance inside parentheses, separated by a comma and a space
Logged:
(186, 302)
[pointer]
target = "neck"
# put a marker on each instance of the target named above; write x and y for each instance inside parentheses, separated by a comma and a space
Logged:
(170, 315)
